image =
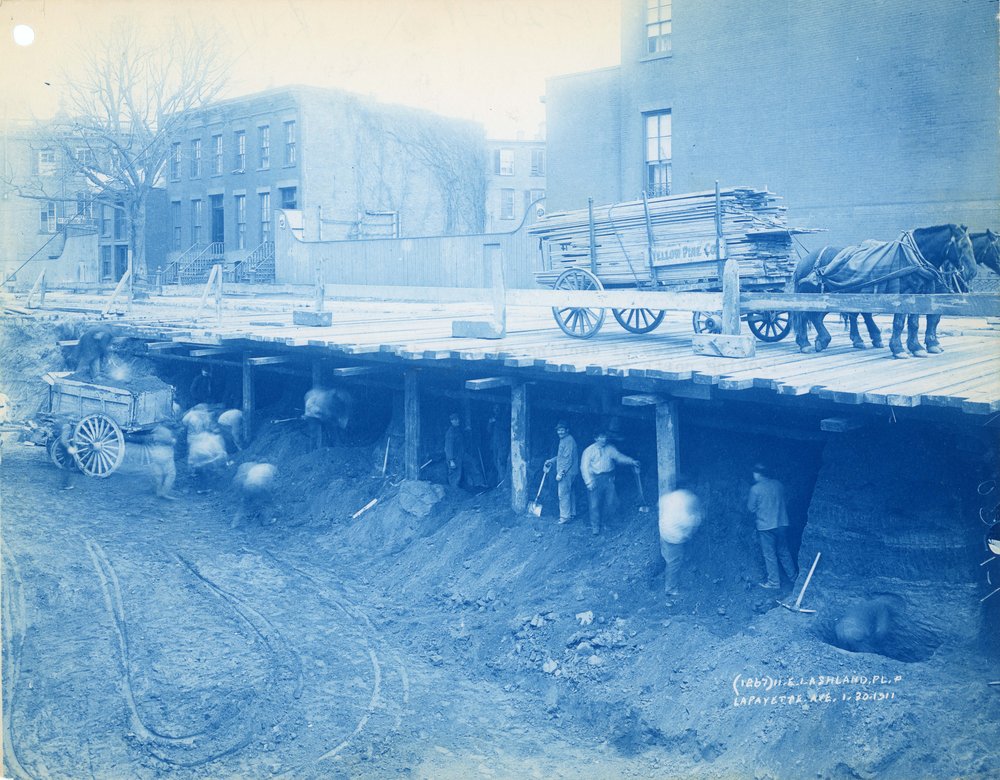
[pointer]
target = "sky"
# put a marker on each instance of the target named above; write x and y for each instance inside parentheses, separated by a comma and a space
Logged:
(485, 60)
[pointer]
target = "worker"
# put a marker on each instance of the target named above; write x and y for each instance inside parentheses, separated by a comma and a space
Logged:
(767, 503)
(70, 466)
(597, 466)
(567, 466)
(230, 424)
(256, 483)
(206, 458)
(161, 461)
(201, 388)
(680, 515)
(454, 449)
(498, 431)
(92, 351)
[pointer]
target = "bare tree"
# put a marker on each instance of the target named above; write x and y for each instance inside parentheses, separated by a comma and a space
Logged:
(124, 105)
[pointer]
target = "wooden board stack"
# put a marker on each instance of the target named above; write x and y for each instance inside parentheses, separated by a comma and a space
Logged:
(753, 227)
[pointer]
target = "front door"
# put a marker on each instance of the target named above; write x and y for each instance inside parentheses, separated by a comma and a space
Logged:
(218, 220)
(121, 260)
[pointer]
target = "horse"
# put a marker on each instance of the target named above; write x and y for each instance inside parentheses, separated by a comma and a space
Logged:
(925, 260)
(985, 247)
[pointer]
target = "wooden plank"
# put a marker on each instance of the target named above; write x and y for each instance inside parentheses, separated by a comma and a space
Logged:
(489, 383)
(269, 360)
(154, 346)
(519, 446)
(210, 351)
(841, 424)
(618, 299)
(964, 304)
(345, 371)
(724, 345)
(641, 400)
(411, 424)
(249, 401)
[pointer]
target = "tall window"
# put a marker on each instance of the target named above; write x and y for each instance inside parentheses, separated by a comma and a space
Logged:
(241, 221)
(175, 225)
(658, 16)
(196, 221)
(265, 216)
(264, 145)
(241, 151)
(106, 268)
(84, 156)
(217, 155)
(530, 196)
(175, 162)
(537, 162)
(43, 162)
(289, 198)
(290, 143)
(119, 221)
(658, 175)
(106, 221)
(196, 158)
(503, 162)
(506, 204)
(47, 217)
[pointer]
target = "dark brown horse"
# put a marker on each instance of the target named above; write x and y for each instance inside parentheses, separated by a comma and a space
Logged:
(985, 246)
(936, 259)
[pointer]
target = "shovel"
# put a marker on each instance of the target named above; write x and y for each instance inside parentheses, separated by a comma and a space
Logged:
(796, 606)
(643, 506)
(535, 508)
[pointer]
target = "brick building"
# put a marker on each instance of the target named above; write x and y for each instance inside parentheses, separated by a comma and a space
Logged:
(515, 180)
(868, 118)
(353, 167)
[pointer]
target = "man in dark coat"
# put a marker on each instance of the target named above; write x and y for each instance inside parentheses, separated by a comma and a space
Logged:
(92, 351)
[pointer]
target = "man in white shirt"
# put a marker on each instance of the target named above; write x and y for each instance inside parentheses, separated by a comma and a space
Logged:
(680, 515)
(597, 467)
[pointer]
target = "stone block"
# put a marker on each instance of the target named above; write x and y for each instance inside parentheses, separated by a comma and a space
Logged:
(317, 319)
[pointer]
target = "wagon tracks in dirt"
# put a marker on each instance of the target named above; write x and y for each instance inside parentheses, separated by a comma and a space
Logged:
(368, 643)
(234, 725)
(15, 626)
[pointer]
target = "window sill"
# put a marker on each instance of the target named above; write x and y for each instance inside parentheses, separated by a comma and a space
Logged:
(663, 55)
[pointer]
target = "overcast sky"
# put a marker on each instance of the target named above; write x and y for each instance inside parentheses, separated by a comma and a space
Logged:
(485, 60)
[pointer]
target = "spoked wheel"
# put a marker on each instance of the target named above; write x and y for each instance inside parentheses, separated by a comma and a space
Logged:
(639, 320)
(579, 323)
(59, 455)
(100, 445)
(769, 326)
(707, 322)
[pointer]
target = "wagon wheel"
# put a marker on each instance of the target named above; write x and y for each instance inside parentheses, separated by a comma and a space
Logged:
(769, 326)
(580, 323)
(639, 320)
(59, 455)
(706, 322)
(100, 445)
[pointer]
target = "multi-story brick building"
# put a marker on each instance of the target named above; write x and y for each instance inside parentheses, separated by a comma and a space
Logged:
(515, 180)
(868, 118)
(353, 167)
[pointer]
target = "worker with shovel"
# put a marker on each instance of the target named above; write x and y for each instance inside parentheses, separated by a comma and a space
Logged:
(597, 467)
(567, 464)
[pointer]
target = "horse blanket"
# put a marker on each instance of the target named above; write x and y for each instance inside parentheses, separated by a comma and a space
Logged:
(871, 267)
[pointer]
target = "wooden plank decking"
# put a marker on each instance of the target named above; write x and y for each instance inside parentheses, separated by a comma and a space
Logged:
(966, 376)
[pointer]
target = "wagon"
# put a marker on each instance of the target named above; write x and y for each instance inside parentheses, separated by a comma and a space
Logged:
(102, 416)
(670, 244)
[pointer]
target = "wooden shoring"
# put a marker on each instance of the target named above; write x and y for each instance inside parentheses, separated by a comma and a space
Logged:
(249, 401)
(122, 284)
(37, 287)
(519, 446)
(667, 446)
(411, 424)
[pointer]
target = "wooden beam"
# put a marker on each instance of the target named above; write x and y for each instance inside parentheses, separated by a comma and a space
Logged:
(841, 424)
(209, 351)
(153, 346)
(249, 401)
(489, 383)
(344, 371)
(68, 342)
(965, 304)
(641, 400)
(519, 446)
(269, 360)
(618, 299)
(411, 425)
(667, 446)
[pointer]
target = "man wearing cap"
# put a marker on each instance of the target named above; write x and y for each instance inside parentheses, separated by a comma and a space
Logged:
(454, 449)
(767, 503)
(567, 463)
(597, 467)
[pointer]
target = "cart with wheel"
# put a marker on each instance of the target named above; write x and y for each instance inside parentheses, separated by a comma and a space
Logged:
(101, 419)
(670, 244)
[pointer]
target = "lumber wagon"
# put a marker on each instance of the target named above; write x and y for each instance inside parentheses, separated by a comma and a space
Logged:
(102, 417)
(675, 243)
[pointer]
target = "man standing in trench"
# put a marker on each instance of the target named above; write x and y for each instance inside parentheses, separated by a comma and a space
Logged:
(567, 463)
(767, 503)
(597, 466)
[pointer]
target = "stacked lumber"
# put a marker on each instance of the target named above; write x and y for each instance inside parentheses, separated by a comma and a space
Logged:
(753, 228)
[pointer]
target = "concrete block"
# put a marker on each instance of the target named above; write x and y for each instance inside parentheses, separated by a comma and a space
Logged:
(318, 319)
(721, 345)
(477, 329)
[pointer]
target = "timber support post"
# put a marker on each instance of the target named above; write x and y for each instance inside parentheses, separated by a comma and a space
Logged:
(519, 446)
(496, 326)
(317, 382)
(249, 402)
(731, 342)
(667, 446)
(411, 425)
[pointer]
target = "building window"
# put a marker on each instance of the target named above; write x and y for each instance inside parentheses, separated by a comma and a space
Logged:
(196, 221)
(119, 222)
(43, 163)
(265, 216)
(288, 198)
(537, 162)
(264, 145)
(105, 221)
(84, 157)
(241, 151)
(196, 158)
(175, 162)
(503, 162)
(47, 217)
(506, 204)
(530, 196)
(217, 155)
(175, 225)
(658, 15)
(241, 221)
(84, 209)
(658, 176)
(106, 262)
(290, 143)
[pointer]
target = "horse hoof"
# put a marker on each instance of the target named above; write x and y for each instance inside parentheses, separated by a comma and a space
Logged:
(900, 355)
(860, 345)
(806, 350)
(935, 350)
(919, 353)
(878, 345)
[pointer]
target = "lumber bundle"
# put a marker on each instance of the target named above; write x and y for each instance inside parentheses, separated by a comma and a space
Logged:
(753, 228)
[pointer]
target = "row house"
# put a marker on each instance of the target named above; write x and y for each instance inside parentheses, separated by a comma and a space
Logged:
(861, 115)
(341, 165)
(515, 181)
